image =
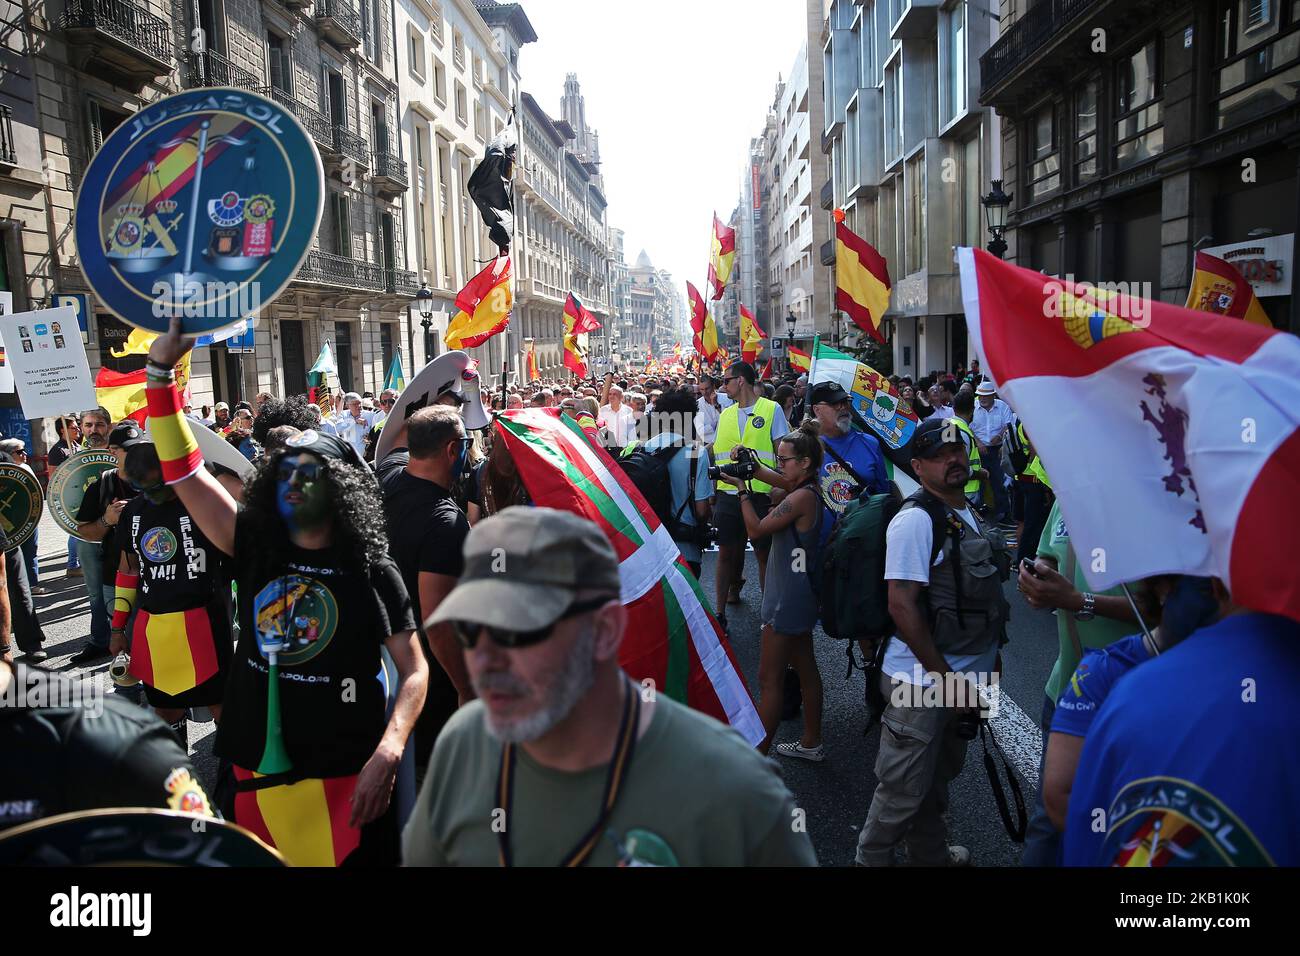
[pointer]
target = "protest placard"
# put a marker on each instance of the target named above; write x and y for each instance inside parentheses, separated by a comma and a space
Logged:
(48, 361)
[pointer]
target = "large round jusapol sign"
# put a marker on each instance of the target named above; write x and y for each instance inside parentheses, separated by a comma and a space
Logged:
(202, 206)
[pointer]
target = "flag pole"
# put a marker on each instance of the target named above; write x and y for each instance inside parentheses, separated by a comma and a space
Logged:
(1136, 613)
(514, 232)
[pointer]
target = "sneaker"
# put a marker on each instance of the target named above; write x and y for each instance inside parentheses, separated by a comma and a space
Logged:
(958, 856)
(40, 590)
(90, 654)
(815, 754)
(35, 657)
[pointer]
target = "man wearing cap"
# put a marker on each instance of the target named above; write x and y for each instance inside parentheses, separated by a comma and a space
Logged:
(221, 418)
(755, 423)
(945, 569)
(319, 601)
(563, 760)
(97, 521)
(854, 462)
(993, 417)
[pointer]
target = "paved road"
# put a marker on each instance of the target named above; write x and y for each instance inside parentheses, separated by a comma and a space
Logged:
(835, 793)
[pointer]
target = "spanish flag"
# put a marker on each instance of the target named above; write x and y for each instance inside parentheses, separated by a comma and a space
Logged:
(709, 339)
(722, 257)
(800, 359)
(122, 394)
(530, 361)
(575, 346)
(307, 821)
(767, 371)
(173, 652)
(484, 305)
(583, 321)
(1218, 287)
(861, 279)
(751, 336)
(699, 316)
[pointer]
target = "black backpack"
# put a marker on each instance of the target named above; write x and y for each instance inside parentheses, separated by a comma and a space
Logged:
(648, 470)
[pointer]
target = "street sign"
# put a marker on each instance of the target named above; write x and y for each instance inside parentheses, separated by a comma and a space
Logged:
(776, 346)
(202, 205)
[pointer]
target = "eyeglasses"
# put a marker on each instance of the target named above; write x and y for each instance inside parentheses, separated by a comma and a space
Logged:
(781, 461)
(467, 632)
(387, 401)
(309, 470)
(147, 489)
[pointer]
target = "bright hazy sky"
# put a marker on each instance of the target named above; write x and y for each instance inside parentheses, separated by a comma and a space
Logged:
(676, 89)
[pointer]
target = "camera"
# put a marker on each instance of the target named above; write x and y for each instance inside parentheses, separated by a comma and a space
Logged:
(743, 465)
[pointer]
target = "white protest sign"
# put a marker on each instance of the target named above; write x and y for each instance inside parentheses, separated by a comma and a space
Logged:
(6, 373)
(48, 361)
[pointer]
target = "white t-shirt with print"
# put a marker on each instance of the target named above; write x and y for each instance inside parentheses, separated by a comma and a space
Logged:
(908, 541)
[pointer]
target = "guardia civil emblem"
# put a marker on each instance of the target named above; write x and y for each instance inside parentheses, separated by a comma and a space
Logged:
(21, 503)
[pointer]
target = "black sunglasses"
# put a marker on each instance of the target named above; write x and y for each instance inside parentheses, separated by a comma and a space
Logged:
(467, 632)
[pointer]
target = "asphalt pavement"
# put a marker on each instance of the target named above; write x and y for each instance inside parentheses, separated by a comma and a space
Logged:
(835, 793)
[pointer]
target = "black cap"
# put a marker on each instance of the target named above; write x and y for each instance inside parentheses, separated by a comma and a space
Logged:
(127, 434)
(933, 434)
(323, 446)
(829, 392)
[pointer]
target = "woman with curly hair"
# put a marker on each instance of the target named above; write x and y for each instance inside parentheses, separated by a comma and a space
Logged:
(303, 721)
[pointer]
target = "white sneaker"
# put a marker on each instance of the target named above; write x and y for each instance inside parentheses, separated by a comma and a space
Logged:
(795, 749)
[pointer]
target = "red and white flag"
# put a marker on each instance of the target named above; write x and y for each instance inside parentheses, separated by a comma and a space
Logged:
(1172, 437)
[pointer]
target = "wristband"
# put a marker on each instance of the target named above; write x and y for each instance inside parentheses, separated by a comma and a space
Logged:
(159, 372)
(124, 599)
(177, 450)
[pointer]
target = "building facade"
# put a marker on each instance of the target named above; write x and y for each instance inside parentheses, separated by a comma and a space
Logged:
(910, 149)
(1136, 133)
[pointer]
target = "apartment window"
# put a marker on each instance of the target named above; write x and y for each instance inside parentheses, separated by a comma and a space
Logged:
(461, 104)
(435, 25)
(418, 66)
(954, 41)
(1258, 50)
(1139, 134)
(972, 219)
(1044, 159)
(439, 82)
(480, 122)
(342, 224)
(343, 354)
(477, 65)
(278, 68)
(893, 112)
(915, 224)
(458, 50)
(1085, 131)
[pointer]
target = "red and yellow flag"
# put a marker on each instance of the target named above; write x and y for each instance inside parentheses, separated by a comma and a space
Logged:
(307, 821)
(709, 339)
(122, 394)
(722, 257)
(862, 284)
(583, 321)
(484, 305)
(699, 316)
(800, 359)
(530, 361)
(767, 371)
(1217, 286)
(751, 336)
(173, 652)
(575, 346)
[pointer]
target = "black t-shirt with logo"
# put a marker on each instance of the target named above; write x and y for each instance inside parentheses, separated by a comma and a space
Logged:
(335, 620)
(180, 569)
(426, 532)
(102, 492)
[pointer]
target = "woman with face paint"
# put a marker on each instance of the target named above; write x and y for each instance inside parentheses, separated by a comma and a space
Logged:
(304, 726)
(169, 593)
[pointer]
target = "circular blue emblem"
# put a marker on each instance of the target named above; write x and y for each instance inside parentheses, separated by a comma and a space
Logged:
(158, 545)
(202, 206)
(759, 421)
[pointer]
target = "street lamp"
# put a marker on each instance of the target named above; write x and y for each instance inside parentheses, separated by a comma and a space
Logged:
(424, 300)
(790, 322)
(996, 204)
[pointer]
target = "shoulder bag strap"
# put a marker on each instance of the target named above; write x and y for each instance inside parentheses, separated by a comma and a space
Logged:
(844, 464)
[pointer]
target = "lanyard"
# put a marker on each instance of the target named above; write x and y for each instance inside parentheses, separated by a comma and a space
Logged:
(624, 747)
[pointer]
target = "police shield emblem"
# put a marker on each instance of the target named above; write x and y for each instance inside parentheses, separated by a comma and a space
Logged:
(21, 503)
(69, 484)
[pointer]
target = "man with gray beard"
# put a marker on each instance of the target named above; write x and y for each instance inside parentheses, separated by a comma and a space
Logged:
(562, 760)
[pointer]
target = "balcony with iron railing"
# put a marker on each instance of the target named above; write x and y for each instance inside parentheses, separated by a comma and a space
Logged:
(345, 272)
(210, 68)
(401, 282)
(317, 124)
(1028, 39)
(8, 152)
(351, 145)
(119, 37)
(339, 22)
(390, 177)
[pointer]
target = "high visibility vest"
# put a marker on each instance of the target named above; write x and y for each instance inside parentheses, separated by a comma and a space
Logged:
(758, 438)
(973, 449)
(1035, 467)
(629, 448)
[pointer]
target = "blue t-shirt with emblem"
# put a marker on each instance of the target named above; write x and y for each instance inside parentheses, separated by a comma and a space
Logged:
(1092, 681)
(862, 452)
(1194, 759)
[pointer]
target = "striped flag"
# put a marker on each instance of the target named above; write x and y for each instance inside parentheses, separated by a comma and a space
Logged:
(671, 638)
(751, 336)
(530, 361)
(1218, 287)
(396, 379)
(722, 256)
(307, 821)
(583, 321)
(800, 359)
(484, 305)
(699, 315)
(862, 284)
(173, 652)
(122, 394)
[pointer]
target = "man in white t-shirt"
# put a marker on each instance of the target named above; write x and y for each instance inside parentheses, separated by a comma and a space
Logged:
(354, 422)
(951, 619)
(706, 420)
(618, 417)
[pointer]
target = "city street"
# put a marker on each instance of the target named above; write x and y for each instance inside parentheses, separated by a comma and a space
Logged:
(835, 794)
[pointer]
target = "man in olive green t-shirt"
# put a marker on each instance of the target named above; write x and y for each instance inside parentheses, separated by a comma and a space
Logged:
(563, 760)
(1084, 621)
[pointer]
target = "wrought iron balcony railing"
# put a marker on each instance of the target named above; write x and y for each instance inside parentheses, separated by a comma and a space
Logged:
(343, 271)
(210, 68)
(8, 154)
(351, 145)
(1027, 36)
(316, 123)
(339, 22)
(132, 27)
(390, 172)
(402, 282)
